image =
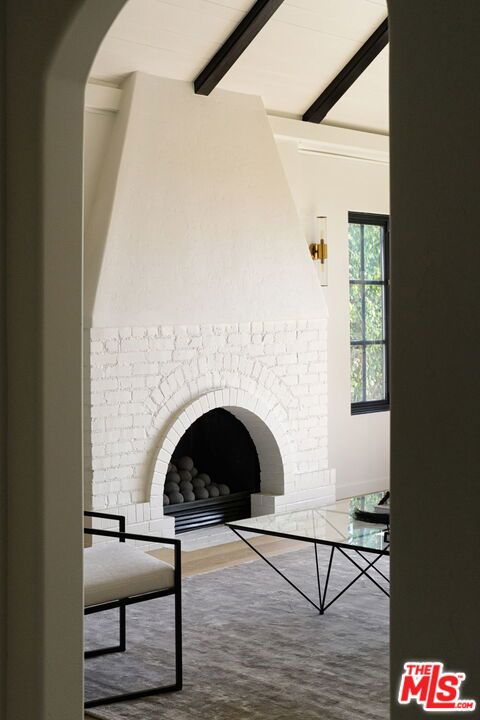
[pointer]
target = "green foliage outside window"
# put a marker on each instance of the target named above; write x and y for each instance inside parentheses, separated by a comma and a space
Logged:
(368, 287)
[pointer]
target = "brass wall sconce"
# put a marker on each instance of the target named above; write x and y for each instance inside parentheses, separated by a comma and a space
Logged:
(319, 251)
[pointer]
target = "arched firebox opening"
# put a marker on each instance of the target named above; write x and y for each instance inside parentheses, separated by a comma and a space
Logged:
(213, 471)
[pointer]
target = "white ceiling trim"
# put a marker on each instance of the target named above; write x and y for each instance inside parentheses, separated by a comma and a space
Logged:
(333, 141)
(102, 98)
(343, 151)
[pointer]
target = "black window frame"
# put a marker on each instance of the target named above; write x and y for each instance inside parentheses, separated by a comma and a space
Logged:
(362, 218)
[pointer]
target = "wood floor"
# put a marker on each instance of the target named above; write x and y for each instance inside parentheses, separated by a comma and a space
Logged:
(204, 560)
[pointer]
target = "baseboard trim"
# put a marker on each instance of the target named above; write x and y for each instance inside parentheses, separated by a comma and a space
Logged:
(346, 491)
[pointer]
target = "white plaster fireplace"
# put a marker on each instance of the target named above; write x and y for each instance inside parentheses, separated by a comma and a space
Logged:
(200, 294)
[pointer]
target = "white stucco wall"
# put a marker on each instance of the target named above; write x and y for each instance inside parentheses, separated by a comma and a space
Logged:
(192, 219)
(359, 446)
(99, 126)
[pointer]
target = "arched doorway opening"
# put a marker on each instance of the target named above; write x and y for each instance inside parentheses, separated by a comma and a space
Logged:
(55, 47)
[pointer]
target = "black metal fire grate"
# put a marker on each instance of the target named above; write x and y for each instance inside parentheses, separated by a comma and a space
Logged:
(214, 511)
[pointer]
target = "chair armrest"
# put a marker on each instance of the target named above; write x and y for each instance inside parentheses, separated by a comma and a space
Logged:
(107, 516)
(131, 536)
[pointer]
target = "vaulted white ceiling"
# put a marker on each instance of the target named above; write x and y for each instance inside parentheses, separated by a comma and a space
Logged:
(294, 57)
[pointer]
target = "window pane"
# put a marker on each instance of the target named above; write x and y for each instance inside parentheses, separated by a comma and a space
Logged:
(375, 389)
(374, 328)
(356, 365)
(355, 251)
(368, 247)
(373, 252)
(356, 320)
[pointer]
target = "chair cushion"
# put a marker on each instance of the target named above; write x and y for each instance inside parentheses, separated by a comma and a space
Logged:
(116, 570)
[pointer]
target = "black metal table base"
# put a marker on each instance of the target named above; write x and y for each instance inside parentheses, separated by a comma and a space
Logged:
(322, 604)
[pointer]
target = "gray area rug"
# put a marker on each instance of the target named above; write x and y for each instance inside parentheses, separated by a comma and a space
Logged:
(253, 648)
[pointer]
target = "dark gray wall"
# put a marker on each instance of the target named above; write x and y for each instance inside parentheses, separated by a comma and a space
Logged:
(435, 170)
(44, 531)
(3, 378)
(50, 46)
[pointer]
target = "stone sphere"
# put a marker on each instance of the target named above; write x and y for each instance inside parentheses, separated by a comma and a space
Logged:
(201, 493)
(175, 498)
(185, 463)
(171, 487)
(166, 500)
(213, 491)
(198, 482)
(186, 486)
(194, 472)
(223, 489)
(172, 477)
(188, 496)
(185, 475)
(206, 478)
(172, 467)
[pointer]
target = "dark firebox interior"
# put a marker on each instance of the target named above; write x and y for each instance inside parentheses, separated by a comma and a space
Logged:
(221, 446)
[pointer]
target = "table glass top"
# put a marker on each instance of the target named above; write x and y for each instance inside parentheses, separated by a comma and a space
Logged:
(330, 524)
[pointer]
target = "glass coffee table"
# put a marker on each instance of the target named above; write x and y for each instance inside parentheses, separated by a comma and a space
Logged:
(361, 543)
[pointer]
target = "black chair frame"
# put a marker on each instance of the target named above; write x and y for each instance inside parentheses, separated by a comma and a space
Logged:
(122, 603)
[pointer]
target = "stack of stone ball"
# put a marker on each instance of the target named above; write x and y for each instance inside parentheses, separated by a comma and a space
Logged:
(183, 483)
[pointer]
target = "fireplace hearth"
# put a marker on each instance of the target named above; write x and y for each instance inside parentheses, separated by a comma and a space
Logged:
(212, 473)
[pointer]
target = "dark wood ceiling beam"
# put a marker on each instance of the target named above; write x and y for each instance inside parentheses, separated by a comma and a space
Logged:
(256, 18)
(346, 77)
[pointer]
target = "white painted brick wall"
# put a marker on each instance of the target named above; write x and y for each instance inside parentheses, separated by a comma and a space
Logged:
(145, 386)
